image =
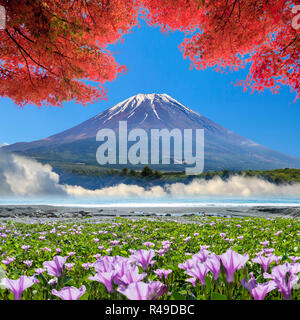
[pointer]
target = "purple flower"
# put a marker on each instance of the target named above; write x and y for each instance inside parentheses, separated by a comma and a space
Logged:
(105, 264)
(213, 264)
(114, 242)
(161, 252)
(187, 239)
(55, 267)
(69, 266)
(69, 293)
(232, 261)
(18, 286)
(192, 281)
(87, 265)
(149, 244)
(258, 290)
(106, 278)
(162, 272)
(265, 243)
(199, 272)
(28, 263)
(25, 248)
(186, 265)
(201, 256)
(205, 247)
(127, 275)
(143, 258)
(144, 291)
(294, 259)
(8, 260)
(264, 261)
(284, 283)
(97, 256)
(39, 270)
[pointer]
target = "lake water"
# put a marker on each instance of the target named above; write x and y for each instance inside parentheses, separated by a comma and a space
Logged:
(161, 202)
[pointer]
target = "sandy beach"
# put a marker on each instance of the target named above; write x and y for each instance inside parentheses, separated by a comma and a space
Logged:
(30, 213)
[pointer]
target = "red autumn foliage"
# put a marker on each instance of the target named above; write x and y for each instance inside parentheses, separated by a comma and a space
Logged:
(52, 50)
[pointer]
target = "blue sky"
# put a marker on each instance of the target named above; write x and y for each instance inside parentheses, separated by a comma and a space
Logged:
(156, 65)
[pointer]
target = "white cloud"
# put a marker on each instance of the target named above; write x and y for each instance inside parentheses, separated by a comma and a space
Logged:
(20, 176)
(235, 186)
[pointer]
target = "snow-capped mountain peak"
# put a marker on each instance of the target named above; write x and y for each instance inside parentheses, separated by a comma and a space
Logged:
(145, 104)
(223, 148)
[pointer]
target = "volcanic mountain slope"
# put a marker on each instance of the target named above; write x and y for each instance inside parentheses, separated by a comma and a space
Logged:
(224, 149)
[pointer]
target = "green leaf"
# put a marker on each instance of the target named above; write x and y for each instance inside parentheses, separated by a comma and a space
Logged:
(66, 279)
(177, 296)
(218, 296)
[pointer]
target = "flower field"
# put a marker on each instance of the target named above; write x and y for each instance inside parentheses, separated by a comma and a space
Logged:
(187, 258)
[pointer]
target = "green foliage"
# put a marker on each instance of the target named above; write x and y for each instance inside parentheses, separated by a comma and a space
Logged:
(278, 176)
(84, 238)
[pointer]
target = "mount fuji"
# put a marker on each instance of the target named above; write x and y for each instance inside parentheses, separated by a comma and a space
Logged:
(224, 149)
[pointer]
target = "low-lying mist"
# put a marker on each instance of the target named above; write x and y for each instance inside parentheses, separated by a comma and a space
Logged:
(24, 177)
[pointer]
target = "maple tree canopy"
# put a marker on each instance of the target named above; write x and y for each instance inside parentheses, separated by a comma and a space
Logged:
(56, 50)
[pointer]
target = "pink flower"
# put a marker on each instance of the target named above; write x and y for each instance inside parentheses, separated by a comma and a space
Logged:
(144, 291)
(55, 267)
(149, 244)
(69, 266)
(198, 271)
(232, 261)
(266, 261)
(28, 263)
(213, 264)
(39, 270)
(18, 286)
(8, 260)
(161, 252)
(106, 278)
(114, 242)
(258, 290)
(127, 274)
(265, 243)
(87, 265)
(162, 272)
(70, 293)
(143, 258)
(284, 283)
(187, 239)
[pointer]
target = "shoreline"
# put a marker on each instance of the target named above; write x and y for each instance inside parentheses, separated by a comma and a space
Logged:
(32, 212)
